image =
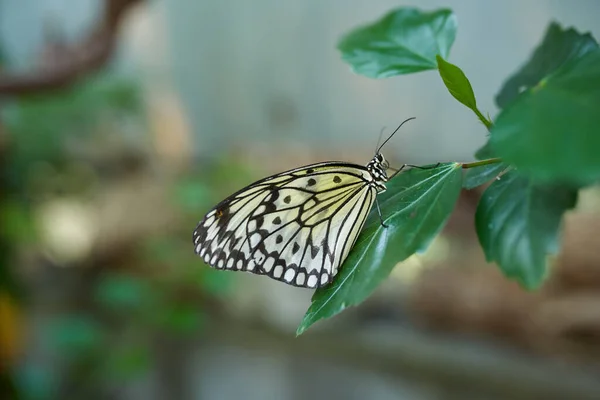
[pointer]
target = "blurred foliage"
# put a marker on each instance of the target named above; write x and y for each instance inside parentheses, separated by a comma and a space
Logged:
(122, 293)
(545, 143)
(557, 47)
(109, 335)
(518, 225)
(76, 335)
(41, 126)
(129, 361)
(550, 132)
(16, 222)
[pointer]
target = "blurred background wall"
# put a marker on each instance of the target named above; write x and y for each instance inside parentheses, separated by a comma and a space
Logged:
(266, 70)
(104, 181)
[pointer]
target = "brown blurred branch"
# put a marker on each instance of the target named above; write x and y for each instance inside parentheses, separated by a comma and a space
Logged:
(73, 62)
(452, 366)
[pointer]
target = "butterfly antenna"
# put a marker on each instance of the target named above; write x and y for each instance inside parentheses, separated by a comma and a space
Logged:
(379, 139)
(386, 140)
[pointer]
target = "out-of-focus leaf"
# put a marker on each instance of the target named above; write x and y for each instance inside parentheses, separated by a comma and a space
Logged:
(213, 281)
(477, 176)
(404, 41)
(518, 225)
(192, 195)
(128, 361)
(122, 292)
(76, 335)
(415, 207)
(40, 124)
(161, 249)
(558, 47)
(15, 223)
(550, 132)
(36, 382)
(485, 152)
(183, 319)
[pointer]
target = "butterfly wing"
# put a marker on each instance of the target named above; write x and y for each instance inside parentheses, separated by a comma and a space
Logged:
(296, 227)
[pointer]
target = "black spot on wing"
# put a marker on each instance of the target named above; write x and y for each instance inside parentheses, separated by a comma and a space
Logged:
(314, 250)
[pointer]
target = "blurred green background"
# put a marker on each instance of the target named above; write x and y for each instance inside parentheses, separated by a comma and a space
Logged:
(104, 175)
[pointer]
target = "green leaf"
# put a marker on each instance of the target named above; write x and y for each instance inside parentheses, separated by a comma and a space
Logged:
(518, 225)
(459, 87)
(415, 207)
(457, 83)
(477, 176)
(551, 131)
(557, 47)
(404, 41)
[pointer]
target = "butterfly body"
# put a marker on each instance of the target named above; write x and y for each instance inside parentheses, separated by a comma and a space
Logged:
(297, 226)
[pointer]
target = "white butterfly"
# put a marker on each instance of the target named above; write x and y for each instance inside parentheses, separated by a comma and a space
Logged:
(297, 226)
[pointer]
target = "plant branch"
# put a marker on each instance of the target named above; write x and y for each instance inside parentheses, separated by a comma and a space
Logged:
(488, 124)
(481, 162)
(72, 62)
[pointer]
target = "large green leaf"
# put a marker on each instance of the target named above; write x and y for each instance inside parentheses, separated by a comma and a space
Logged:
(518, 225)
(551, 131)
(404, 41)
(415, 208)
(557, 47)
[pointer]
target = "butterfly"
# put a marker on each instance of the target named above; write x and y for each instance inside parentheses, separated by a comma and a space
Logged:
(297, 226)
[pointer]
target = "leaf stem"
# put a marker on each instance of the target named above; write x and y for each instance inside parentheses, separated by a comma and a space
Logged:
(481, 162)
(484, 120)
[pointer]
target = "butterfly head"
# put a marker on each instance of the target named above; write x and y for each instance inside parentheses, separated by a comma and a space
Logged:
(378, 168)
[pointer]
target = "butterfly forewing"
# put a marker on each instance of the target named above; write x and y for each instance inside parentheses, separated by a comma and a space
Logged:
(296, 227)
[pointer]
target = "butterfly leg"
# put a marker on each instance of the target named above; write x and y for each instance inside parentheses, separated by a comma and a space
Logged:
(379, 212)
(397, 171)
(417, 167)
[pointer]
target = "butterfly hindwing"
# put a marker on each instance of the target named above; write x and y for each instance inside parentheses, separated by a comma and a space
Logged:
(296, 227)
